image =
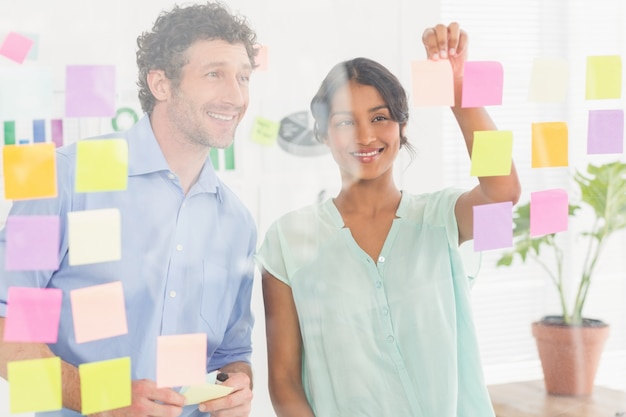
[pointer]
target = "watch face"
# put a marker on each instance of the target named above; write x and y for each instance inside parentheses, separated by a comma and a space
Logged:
(296, 137)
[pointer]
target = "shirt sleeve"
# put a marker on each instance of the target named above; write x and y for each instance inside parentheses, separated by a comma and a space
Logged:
(270, 255)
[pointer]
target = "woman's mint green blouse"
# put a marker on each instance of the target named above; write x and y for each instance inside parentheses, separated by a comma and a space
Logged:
(392, 336)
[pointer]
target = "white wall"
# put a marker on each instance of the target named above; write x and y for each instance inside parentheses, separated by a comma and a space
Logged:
(305, 38)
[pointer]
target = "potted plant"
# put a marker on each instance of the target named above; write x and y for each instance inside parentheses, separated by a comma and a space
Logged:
(569, 343)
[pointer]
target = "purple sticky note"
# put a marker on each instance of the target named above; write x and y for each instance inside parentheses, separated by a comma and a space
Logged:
(32, 243)
(90, 91)
(605, 131)
(33, 315)
(493, 226)
(482, 84)
(16, 47)
(548, 212)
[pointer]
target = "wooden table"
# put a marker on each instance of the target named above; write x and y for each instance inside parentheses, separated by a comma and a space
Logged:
(529, 399)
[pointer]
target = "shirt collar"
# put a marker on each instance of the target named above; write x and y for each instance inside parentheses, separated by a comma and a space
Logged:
(330, 208)
(145, 156)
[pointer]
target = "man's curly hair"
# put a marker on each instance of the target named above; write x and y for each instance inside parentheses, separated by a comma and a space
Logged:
(174, 31)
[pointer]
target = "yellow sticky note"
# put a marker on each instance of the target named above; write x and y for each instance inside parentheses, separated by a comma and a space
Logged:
(29, 171)
(98, 312)
(105, 385)
(492, 153)
(604, 77)
(101, 165)
(265, 131)
(196, 394)
(35, 385)
(548, 80)
(432, 83)
(94, 236)
(181, 360)
(549, 145)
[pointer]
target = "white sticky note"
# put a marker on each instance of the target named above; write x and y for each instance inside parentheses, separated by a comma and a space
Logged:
(94, 236)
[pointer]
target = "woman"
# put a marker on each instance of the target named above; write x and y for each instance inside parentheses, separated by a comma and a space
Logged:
(367, 303)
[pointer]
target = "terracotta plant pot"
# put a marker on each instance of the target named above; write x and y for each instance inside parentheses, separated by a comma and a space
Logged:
(570, 355)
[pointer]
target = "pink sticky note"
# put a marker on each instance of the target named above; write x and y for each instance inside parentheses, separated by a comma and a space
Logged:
(482, 84)
(16, 47)
(262, 58)
(99, 312)
(32, 243)
(548, 212)
(605, 131)
(432, 83)
(90, 91)
(32, 315)
(493, 226)
(181, 360)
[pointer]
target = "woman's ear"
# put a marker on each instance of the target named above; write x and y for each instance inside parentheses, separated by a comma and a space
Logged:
(159, 84)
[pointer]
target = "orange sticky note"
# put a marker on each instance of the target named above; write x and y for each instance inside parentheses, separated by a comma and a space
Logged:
(94, 236)
(492, 153)
(98, 312)
(181, 360)
(432, 83)
(29, 171)
(105, 385)
(549, 145)
(35, 385)
(604, 77)
(101, 165)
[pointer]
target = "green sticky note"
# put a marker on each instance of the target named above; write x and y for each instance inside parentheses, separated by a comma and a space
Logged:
(265, 131)
(35, 385)
(604, 77)
(9, 132)
(101, 165)
(105, 385)
(492, 153)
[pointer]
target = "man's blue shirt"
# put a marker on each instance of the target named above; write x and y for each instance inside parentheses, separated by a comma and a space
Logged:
(186, 264)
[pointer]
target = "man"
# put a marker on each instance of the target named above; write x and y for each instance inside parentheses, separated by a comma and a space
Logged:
(187, 240)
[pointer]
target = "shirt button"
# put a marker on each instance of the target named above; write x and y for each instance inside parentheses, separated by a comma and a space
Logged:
(173, 294)
(171, 176)
(179, 247)
(381, 259)
(379, 284)
(385, 311)
(390, 339)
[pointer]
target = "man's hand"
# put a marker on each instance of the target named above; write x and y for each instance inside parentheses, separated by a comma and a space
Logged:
(148, 400)
(235, 404)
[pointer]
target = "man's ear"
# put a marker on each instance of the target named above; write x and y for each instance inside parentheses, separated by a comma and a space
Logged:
(159, 84)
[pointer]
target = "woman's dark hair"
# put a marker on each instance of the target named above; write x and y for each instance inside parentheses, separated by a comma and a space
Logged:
(174, 31)
(366, 72)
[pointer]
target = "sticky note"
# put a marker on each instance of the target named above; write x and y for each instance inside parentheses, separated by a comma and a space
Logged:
(90, 91)
(101, 165)
(548, 212)
(605, 131)
(105, 385)
(32, 243)
(432, 83)
(16, 47)
(262, 58)
(548, 80)
(32, 315)
(29, 171)
(181, 360)
(265, 131)
(549, 145)
(482, 84)
(94, 236)
(98, 312)
(196, 394)
(603, 77)
(26, 92)
(493, 226)
(35, 385)
(492, 153)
